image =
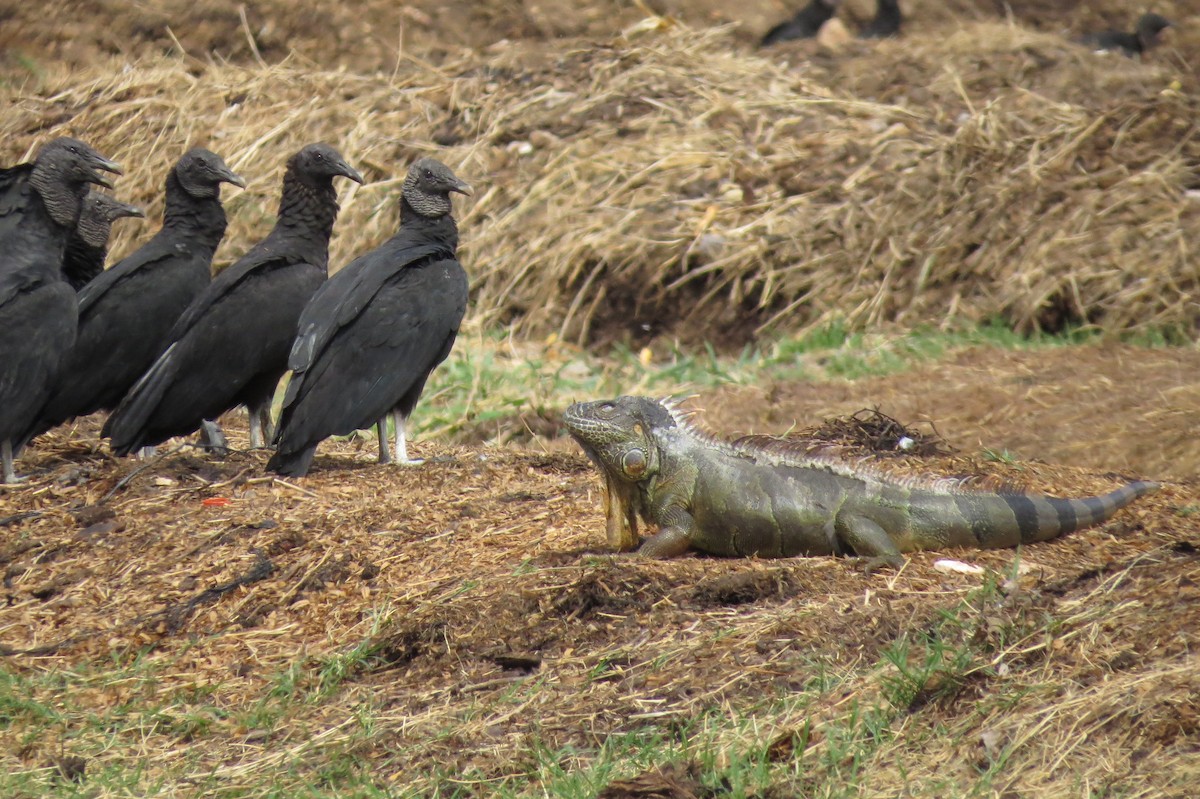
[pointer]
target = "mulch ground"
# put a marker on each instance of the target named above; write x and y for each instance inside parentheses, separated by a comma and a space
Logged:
(490, 566)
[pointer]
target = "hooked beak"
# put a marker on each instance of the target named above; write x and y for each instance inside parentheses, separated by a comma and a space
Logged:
(462, 187)
(108, 166)
(348, 171)
(100, 180)
(133, 211)
(231, 177)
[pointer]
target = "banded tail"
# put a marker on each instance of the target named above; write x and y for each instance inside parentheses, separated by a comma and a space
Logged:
(1040, 518)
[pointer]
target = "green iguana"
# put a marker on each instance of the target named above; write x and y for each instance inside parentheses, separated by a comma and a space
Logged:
(765, 496)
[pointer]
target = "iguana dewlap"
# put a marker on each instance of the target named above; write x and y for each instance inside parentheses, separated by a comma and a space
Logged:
(761, 497)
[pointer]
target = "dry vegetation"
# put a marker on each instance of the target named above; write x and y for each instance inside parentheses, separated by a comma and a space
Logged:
(669, 181)
(190, 627)
(459, 631)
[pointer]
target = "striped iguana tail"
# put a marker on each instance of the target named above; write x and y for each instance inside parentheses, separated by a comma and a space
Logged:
(1035, 517)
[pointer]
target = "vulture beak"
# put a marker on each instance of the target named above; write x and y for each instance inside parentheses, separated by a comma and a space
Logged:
(131, 210)
(231, 177)
(348, 171)
(461, 186)
(100, 180)
(100, 162)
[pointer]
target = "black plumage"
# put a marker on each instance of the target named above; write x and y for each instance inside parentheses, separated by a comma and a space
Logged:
(1144, 37)
(87, 246)
(886, 23)
(40, 204)
(126, 313)
(372, 335)
(230, 346)
(804, 25)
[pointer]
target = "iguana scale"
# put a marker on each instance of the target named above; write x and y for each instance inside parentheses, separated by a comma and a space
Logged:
(767, 497)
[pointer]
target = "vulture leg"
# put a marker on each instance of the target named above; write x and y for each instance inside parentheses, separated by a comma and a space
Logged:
(264, 421)
(402, 443)
(256, 432)
(212, 438)
(146, 453)
(260, 424)
(6, 455)
(385, 454)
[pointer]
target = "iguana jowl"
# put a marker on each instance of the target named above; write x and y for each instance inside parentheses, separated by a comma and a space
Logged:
(761, 496)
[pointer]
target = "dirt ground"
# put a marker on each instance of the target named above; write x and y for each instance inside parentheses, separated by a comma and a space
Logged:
(493, 561)
(1106, 408)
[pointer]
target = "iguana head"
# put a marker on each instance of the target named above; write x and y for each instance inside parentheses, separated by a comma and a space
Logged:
(616, 435)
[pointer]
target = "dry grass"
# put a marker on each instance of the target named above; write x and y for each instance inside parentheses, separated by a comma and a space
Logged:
(458, 628)
(670, 183)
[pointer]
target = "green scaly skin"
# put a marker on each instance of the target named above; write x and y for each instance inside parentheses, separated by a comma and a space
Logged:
(761, 497)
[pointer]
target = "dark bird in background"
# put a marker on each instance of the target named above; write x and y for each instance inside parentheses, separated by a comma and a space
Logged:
(230, 346)
(40, 204)
(87, 247)
(126, 313)
(886, 23)
(1143, 38)
(372, 335)
(804, 25)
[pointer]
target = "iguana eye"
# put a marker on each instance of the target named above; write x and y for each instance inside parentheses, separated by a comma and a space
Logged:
(634, 463)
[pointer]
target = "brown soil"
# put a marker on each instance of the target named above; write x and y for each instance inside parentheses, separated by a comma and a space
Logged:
(1109, 407)
(493, 562)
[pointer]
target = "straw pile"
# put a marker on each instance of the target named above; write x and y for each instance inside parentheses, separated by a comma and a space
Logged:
(669, 182)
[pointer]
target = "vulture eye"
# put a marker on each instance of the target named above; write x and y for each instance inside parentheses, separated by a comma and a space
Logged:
(634, 463)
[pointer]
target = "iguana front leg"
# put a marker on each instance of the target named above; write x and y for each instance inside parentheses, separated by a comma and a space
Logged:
(868, 540)
(674, 536)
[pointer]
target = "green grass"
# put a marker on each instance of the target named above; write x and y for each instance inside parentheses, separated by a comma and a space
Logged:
(490, 380)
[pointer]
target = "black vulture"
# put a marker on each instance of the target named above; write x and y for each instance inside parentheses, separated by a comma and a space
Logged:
(126, 313)
(230, 346)
(804, 25)
(1143, 38)
(374, 332)
(39, 207)
(886, 23)
(87, 247)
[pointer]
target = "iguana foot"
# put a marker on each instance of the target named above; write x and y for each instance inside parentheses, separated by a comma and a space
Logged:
(669, 542)
(870, 565)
